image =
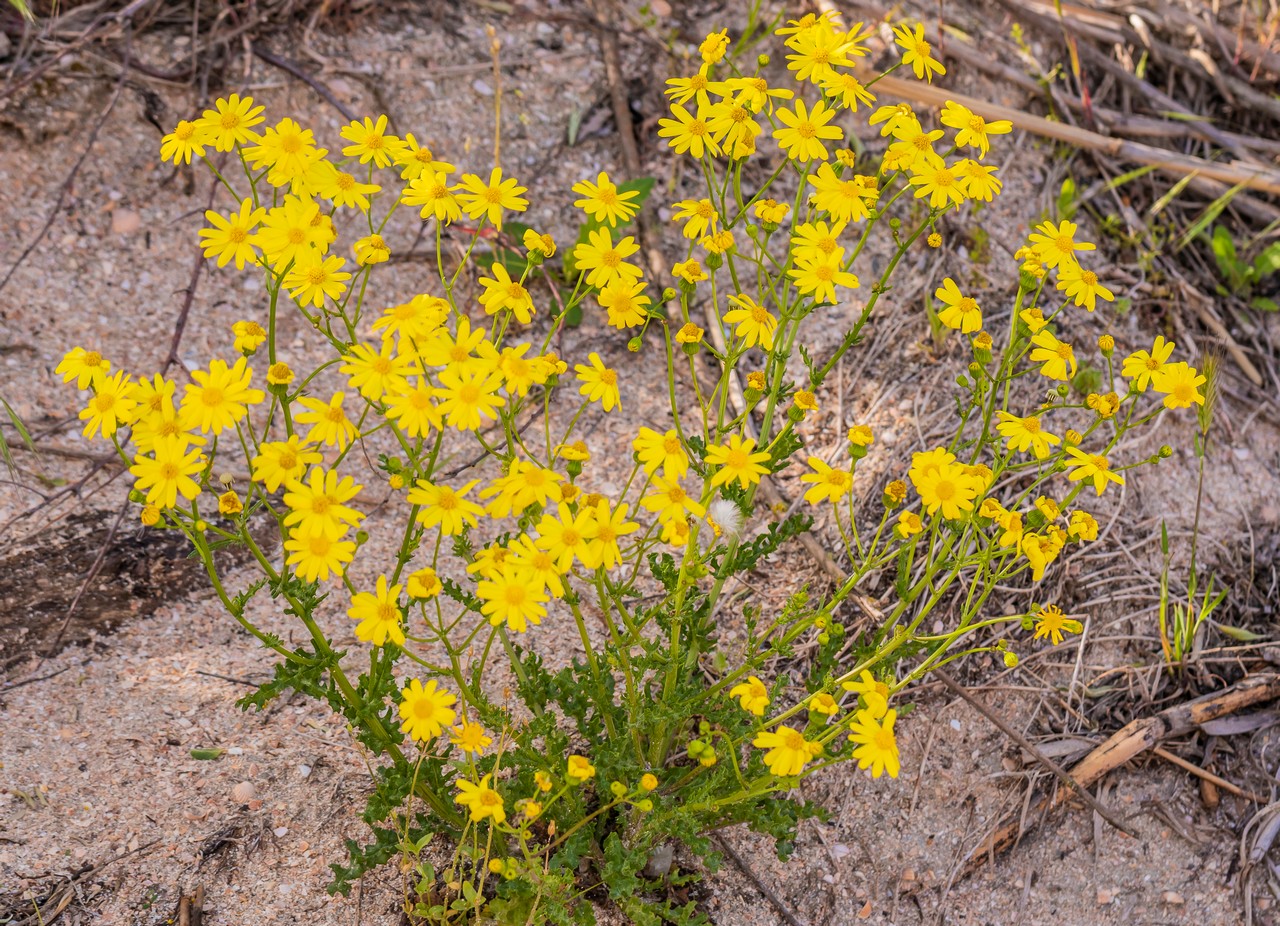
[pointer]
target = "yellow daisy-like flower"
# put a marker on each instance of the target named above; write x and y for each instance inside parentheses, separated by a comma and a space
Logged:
(186, 139)
(1082, 286)
(376, 373)
(320, 501)
(661, 450)
(230, 122)
(823, 703)
(1181, 384)
(1093, 466)
(379, 614)
(603, 202)
(370, 142)
(425, 710)
(371, 249)
(1024, 434)
(316, 553)
(1056, 245)
(445, 507)
(1051, 622)
(829, 485)
(481, 801)
(167, 473)
(599, 383)
(329, 423)
(1058, 358)
(84, 366)
(511, 598)
(231, 237)
(738, 461)
(469, 397)
(280, 462)
(578, 769)
(699, 217)
(488, 200)
(917, 53)
(1142, 366)
(752, 695)
(971, 129)
(804, 130)
(112, 405)
(249, 336)
(219, 397)
(689, 132)
(787, 751)
(502, 292)
(424, 584)
(315, 276)
(471, 738)
(948, 489)
(818, 278)
(844, 198)
(874, 693)
(962, 313)
(604, 261)
(877, 745)
(755, 324)
(431, 191)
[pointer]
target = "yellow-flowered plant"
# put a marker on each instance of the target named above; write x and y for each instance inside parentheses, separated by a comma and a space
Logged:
(663, 729)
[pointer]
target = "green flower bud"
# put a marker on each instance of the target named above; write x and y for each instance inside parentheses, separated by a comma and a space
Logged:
(714, 261)
(668, 294)
(617, 789)
(1165, 452)
(634, 344)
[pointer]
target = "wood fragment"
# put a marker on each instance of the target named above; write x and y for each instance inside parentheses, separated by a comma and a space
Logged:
(1208, 776)
(783, 910)
(1130, 741)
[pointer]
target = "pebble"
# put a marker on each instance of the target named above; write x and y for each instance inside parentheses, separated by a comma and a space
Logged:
(1105, 896)
(482, 88)
(304, 770)
(281, 831)
(1172, 898)
(125, 222)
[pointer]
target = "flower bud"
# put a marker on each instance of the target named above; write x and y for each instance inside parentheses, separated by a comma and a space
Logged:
(668, 294)
(762, 61)
(617, 788)
(496, 866)
(396, 481)
(646, 805)
(1165, 452)
(362, 537)
(894, 493)
(648, 781)
(934, 240)
(1010, 659)
(634, 344)
(1106, 344)
(714, 261)
(150, 516)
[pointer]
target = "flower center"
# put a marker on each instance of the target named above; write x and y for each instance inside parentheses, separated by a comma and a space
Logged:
(169, 472)
(977, 124)
(1031, 425)
(447, 501)
(334, 415)
(1064, 244)
(806, 129)
(967, 305)
(609, 377)
(211, 396)
(229, 120)
(344, 181)
(469, 394)
(1089, 278)
(945, 490)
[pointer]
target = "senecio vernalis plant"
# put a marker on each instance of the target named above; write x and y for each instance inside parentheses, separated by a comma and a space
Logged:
(510, 804)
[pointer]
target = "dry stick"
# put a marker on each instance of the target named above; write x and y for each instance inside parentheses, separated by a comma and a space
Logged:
(75, 169)
(1208, 776)
(315, 84)
(1132, 740)
(763, 888)
(1035, 753)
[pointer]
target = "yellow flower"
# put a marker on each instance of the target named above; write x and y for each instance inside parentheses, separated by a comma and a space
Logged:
(804, 129)
(661, 450)
(690, 271)
(689, 333)
(150, 516)
(752, 695)
(755, 324)
(502, 292)
(318, 552)
(468, 397)
(770, 211)
(602, 202)
(624, 302)
(909, 524)
(418, 160)
(738, 460)
(874, 693)
(972, 129)
(186, 139)
(818, 278)
(231, 237)
(84, 366)
(714, 46)
(1082, 526)
(482, 801)
(1082, 286)
(977, 181)
(670, 501)
(425, 710)
(340, 187)
(512, 600)
(490, 199)
(962, 312)
(280, 462)
(329, 423)
(844, 199)
(1051, 622)
(471, 738)
(378, 613)
(424, 584)
(823, 703)
(1040, 551)
(376, 373)
(111, 405)
(877, 745)
(917, 52)
(788, 752)
(599, 383)
(1055, 245)
(167, 473)
(543, 245)
(1142, 367)
(940, 183)
(648, 781)
(689, 132)
(579, 769)
(320, 501)
(602, 533)
(1181, 383)
(1091, 466)
(369, 142)
(1026, 434)
(828, 484)
(415, 412)
(699, 217)
(219, 397)
(1058, 357)
(230, 122)
(948, 489)
(444, 507)
(432, 192)
(371, 249)
(314, 277)
(249, 336)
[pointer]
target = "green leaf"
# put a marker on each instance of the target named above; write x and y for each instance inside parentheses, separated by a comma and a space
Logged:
(1224, 254)
(1268, 262)
(1239, 633)
(207, 754)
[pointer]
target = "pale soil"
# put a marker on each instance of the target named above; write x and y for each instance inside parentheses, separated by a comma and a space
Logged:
(94, 761)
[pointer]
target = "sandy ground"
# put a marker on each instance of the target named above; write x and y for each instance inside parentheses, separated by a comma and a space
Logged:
(95, 767)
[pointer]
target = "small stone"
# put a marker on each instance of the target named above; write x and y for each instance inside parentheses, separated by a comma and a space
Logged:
(125, 222)
(1105, 896)
(955, 725)
(482, 88)
(1172, 898)
(304, 770)
(865, 912)
(281, 831)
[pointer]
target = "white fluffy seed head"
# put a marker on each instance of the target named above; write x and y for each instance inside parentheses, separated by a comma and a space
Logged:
(725, 518)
